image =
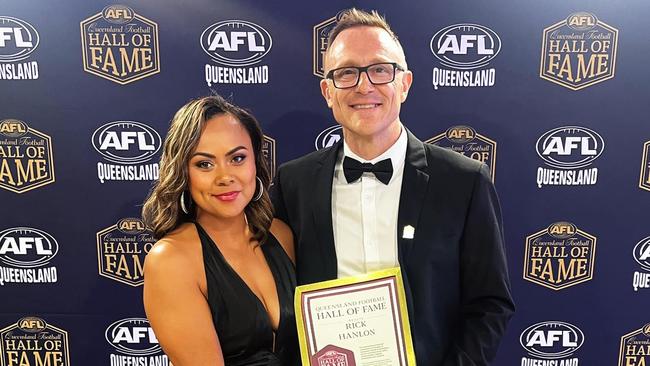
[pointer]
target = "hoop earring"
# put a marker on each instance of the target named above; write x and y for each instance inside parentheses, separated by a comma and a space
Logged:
(183, 207)
(259, 194)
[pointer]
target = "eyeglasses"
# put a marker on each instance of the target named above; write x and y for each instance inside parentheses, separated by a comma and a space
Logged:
(348, 77)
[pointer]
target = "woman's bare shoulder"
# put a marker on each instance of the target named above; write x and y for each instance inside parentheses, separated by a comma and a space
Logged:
(175, 250)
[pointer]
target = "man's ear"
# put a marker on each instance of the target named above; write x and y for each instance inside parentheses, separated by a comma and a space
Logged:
(407, 80)
(325, 90)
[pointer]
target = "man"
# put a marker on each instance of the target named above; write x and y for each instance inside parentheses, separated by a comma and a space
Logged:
(381, 198)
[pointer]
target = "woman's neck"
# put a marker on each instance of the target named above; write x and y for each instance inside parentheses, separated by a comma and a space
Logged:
(229, 231)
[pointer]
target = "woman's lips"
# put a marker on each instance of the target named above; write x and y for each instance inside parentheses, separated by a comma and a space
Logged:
(228, 196)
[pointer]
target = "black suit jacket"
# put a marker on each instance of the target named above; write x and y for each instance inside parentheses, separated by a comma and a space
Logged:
(454, 269)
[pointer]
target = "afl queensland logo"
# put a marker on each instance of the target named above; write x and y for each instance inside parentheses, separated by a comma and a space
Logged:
(642, 253)
(132, 336)
(26, 247)
(26, 252)
(329, 137)
(461, 49)
(551, 340)
(571, 149)
(236, 42)
(465, 46)
(126, 142)
(18, 39)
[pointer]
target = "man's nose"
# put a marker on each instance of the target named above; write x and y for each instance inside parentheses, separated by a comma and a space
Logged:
(364, 85)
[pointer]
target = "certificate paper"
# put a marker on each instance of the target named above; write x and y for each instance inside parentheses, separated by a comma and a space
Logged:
(355, 321)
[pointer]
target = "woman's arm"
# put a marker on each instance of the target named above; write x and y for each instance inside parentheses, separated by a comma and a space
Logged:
(177, 309)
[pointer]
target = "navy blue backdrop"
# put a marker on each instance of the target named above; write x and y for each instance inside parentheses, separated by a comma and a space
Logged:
(552, 95)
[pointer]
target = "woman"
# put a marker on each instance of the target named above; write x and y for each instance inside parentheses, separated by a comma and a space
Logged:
(219, 283)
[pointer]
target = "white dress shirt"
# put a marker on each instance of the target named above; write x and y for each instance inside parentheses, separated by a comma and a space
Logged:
(364, 214)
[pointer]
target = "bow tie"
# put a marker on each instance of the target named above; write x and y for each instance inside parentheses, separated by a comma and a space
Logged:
(353, 169)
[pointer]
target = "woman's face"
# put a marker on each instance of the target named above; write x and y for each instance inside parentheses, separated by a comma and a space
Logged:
(222, 168)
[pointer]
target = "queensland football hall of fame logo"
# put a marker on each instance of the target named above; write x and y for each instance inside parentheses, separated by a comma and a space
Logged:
(551, 343)
(464, 52)
(635, 348)
(134, 343)
(320, 36)
(569, 152)
(128, 149)
(268, 150)
(25, 256)
(331, 355)
(466, 141)
(329, 137)
(18, 40)
(236, 47)
(644, 176)
(121, 249)
(578, 52)
(641, 253)
(559, 256)
(120, 45)
(31, 341)
(26, 160)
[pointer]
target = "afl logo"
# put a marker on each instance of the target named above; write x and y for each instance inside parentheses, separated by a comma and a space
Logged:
(13, 128)
(126, 142)
(18, 39)
(329, 137)
(236, 42)
(562, 230)
(460, 134)
(465, 46)
(131, 226)
(118, 14)
(581, 21)
(551, 339)
(32, 324)
(570, 147)
(132, 336)
(26, 247)
(642, 253)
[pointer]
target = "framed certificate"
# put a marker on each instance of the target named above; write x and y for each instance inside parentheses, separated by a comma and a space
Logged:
(355, 321)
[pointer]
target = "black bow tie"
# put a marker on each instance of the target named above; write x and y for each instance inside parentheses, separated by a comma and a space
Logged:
(353, 169)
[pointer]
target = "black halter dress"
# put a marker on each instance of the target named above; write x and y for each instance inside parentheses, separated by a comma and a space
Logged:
(240, 319)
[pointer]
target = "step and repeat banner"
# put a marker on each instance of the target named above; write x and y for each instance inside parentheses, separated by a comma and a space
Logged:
(552, 96)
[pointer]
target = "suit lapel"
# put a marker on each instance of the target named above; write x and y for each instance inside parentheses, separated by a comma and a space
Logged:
(322, 209)
(414, 186)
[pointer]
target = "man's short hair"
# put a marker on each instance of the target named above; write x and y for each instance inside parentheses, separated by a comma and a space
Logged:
(354, 17)
(357, 18)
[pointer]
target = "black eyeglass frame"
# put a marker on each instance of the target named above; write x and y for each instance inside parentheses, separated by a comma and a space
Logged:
(396, 67)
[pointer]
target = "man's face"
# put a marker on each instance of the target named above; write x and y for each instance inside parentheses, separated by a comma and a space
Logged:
(366, 110)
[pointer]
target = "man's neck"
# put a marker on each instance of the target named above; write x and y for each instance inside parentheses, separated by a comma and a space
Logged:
(370, 147)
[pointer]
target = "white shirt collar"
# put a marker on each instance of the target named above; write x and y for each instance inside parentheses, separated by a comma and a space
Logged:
(396, 153)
